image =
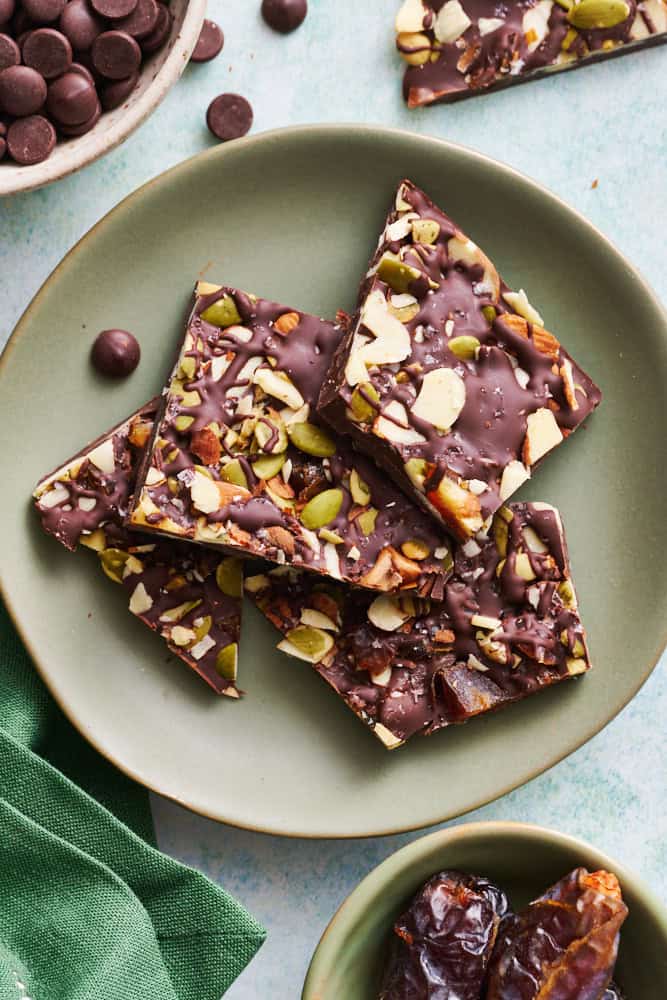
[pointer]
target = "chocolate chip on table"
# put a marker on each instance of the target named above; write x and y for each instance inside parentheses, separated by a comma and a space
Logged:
(115, 353)
(22, 91)
(80, 24)
(160, 32)
(48, 51)
(229, 116)
(71, 99)
(116, 55)
(43, 11)
(209, 44)
(141, 22)
(114, 93)
(10, 53)
(114, 9)
(284, 15)
(30, 140)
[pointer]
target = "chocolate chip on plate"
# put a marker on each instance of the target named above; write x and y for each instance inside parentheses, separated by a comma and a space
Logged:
(48, 51)
(10, 53)
(116, 55)
(284, 15)
(71, 99)
(114, 93)
(80, 24)
(141, 22)
(229, 116)
(43, 11)
(209, 44)
(115, 353)
(22, 91)
(160, 32)
(30, 140)
(114, 9)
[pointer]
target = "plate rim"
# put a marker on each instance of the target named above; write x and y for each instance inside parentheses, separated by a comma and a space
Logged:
(317, 131)
(357, 900)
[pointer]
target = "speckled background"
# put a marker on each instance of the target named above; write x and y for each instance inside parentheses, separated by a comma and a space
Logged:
(604, 123)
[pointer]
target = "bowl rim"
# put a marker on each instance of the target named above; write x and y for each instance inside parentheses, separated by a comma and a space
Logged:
(315, 131)
(17, 179)
(366, 892)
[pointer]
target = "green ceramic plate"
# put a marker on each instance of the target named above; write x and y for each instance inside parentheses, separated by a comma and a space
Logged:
(294, 215)
(524, 860)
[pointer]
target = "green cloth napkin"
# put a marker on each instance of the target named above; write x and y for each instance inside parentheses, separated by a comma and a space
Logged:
(89, 908)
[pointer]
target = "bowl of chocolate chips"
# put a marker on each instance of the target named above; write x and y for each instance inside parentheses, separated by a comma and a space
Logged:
(78, 76)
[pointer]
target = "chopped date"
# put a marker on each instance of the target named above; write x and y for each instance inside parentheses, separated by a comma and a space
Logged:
(444, 941)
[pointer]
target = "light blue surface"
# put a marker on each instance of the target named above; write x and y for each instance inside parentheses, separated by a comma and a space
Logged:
(606, 123)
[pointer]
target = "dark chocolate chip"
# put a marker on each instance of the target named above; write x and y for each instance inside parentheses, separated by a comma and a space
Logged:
(82, 70)
(114, 9)
(47, 51)
(31, 140)
(113, 94)
(43, 11)
(6, 10)
(22, 91)
(229, 116)
(284, 15)
(10, 53)
(75, 130)
(160, 33)
(116, 55)
(209, 43)
(80, 24)
(141, 22)
(3, 148)
(115, 353)
(21, 22)
(3, 130)
(72, 99)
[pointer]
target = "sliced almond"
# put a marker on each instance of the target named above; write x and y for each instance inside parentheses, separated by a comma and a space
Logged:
(309, 616)
(103, 456)
(519, 302)
(386, 613)
(441, 398)
(451, 22)
(514, 475)
(204, 494)
(219, 365)
(460, 248)
(568, 384)
(392, 343)
(542, 434)
(533, 540)
(410, 17)
(397, 428)
(535, 23)
(486, 622)
(487, 25)
(53, 497)
(140, 601)
(278, 384)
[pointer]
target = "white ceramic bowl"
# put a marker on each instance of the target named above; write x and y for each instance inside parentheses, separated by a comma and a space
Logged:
(158, 74)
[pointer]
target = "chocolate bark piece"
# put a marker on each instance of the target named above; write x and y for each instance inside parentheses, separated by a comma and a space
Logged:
(191, 597)
(442, 944)
(563, 945)
(447, 377)
(507, 627)
(240, 459)
(458, 49)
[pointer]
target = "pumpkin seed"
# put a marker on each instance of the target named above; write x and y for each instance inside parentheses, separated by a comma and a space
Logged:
(362, 409)
(322, 509)
(425, 231)
(415, 548)
(359, 490)
(464, 348)
(395, 273)
(229, 577)
(113, 563)
(183, 423)
(312, 643)
(226, 661)
(222, 313)
(590, 14)
(366, 521)
(268, 466)
(270, 437)
(234, 473)
(415, 469)
(311, 439)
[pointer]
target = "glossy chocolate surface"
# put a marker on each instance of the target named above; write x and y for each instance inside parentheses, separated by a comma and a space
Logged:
(240, 459)
(447, 377)
(457, 49)
(507, 627)
(176, 590)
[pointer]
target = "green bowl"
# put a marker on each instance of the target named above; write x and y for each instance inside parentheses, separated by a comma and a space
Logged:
(524, 860)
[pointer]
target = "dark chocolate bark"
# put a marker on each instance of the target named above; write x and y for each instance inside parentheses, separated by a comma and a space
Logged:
(564, 945)
(189, 596)
(457, 49)
(240, 459)
(508, 626)
(447, 377)
(443, 943)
